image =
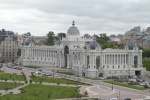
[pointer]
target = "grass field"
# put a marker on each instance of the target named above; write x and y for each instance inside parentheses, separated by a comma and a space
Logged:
(1, 71)
(126, 85)
(0, 66)
(55, 80)
(11, 77)
(44, 92)
(9, 85)
(32, 67)
(67, 73)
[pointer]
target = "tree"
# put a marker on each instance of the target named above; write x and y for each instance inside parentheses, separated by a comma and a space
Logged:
(19, 52)
(50, 38)
(26, 82)
(86, 93)
(30, 81)
(6, 89)
(61, 35)
(5, 79)
(146, 53)
(49, 95)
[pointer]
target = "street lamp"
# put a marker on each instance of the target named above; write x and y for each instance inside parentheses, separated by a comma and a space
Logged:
(53, 74)
(112, 85)
(78, 73)
(112, 80)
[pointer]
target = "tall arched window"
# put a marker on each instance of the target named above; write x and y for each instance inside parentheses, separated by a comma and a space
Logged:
(97, 62)
(135, 61)
(88, 60)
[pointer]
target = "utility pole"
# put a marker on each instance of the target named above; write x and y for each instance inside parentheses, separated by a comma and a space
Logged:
(112, 81)
(53, 75)
(78, 73)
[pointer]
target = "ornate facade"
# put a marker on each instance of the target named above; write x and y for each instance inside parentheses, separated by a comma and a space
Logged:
(86, 56)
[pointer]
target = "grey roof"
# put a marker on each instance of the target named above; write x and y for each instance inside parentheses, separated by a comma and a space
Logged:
(4, 34)
(28, 41)
(148, 29)
(73, 30)
(146, 38)
(131, 44)
(139, 33)
(93, 45)
(87, 36)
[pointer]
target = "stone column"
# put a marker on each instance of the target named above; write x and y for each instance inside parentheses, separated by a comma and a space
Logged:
(110, 59)
(101, 60)
(68, 60)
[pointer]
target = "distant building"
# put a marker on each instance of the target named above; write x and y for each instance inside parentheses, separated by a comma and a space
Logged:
(141, 39)
(24, 39)
(115, 38)
(8, 46)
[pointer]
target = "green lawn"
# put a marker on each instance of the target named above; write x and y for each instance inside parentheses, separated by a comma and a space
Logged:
(126, 85)
(12, 77)
(44, 92)
(1, 71)
(9, 85)
(67, 73)
(55, 80)
(32, 67)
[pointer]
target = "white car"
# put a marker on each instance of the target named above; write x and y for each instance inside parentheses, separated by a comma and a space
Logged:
(102, 78)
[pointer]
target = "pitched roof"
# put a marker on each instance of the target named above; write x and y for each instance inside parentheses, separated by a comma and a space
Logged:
(146, 37)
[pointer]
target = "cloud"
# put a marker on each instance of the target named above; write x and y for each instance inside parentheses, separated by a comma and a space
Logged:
(91, 16)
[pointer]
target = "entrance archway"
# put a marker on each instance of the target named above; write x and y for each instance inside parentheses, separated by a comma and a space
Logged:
(101, 75)
(66, 51)
(83, 74)
(135, 61)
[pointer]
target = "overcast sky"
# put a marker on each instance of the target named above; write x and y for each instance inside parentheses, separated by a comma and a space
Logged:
(91, 16)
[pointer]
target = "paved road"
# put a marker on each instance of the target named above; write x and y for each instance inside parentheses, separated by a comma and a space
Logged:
(99, 88)
(104, 90)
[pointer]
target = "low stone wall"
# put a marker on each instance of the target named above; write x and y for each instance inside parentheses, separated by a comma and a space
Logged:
(147, 73)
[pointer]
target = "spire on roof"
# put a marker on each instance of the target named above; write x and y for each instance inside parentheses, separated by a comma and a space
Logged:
(73, 23)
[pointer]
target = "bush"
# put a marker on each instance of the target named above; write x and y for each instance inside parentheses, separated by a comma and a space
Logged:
(86, 93)
(30, 81)
(146, 63)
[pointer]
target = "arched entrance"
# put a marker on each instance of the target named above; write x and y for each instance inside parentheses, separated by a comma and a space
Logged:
(97, 62)
(101, 75)
(83, 74)
(66, 51)
(135, 61)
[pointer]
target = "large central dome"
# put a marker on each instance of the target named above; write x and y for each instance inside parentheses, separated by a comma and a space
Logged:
(73, 30)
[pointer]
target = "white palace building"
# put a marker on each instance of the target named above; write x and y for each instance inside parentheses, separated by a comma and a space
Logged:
(85, 55)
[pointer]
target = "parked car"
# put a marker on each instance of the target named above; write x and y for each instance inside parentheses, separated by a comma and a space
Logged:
(113, 99)
(102, 78)
(147, 86)
(19, 68)
(141, 83)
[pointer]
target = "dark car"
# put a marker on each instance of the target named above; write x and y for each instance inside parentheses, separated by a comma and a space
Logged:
(127, 99)
(147, 86)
